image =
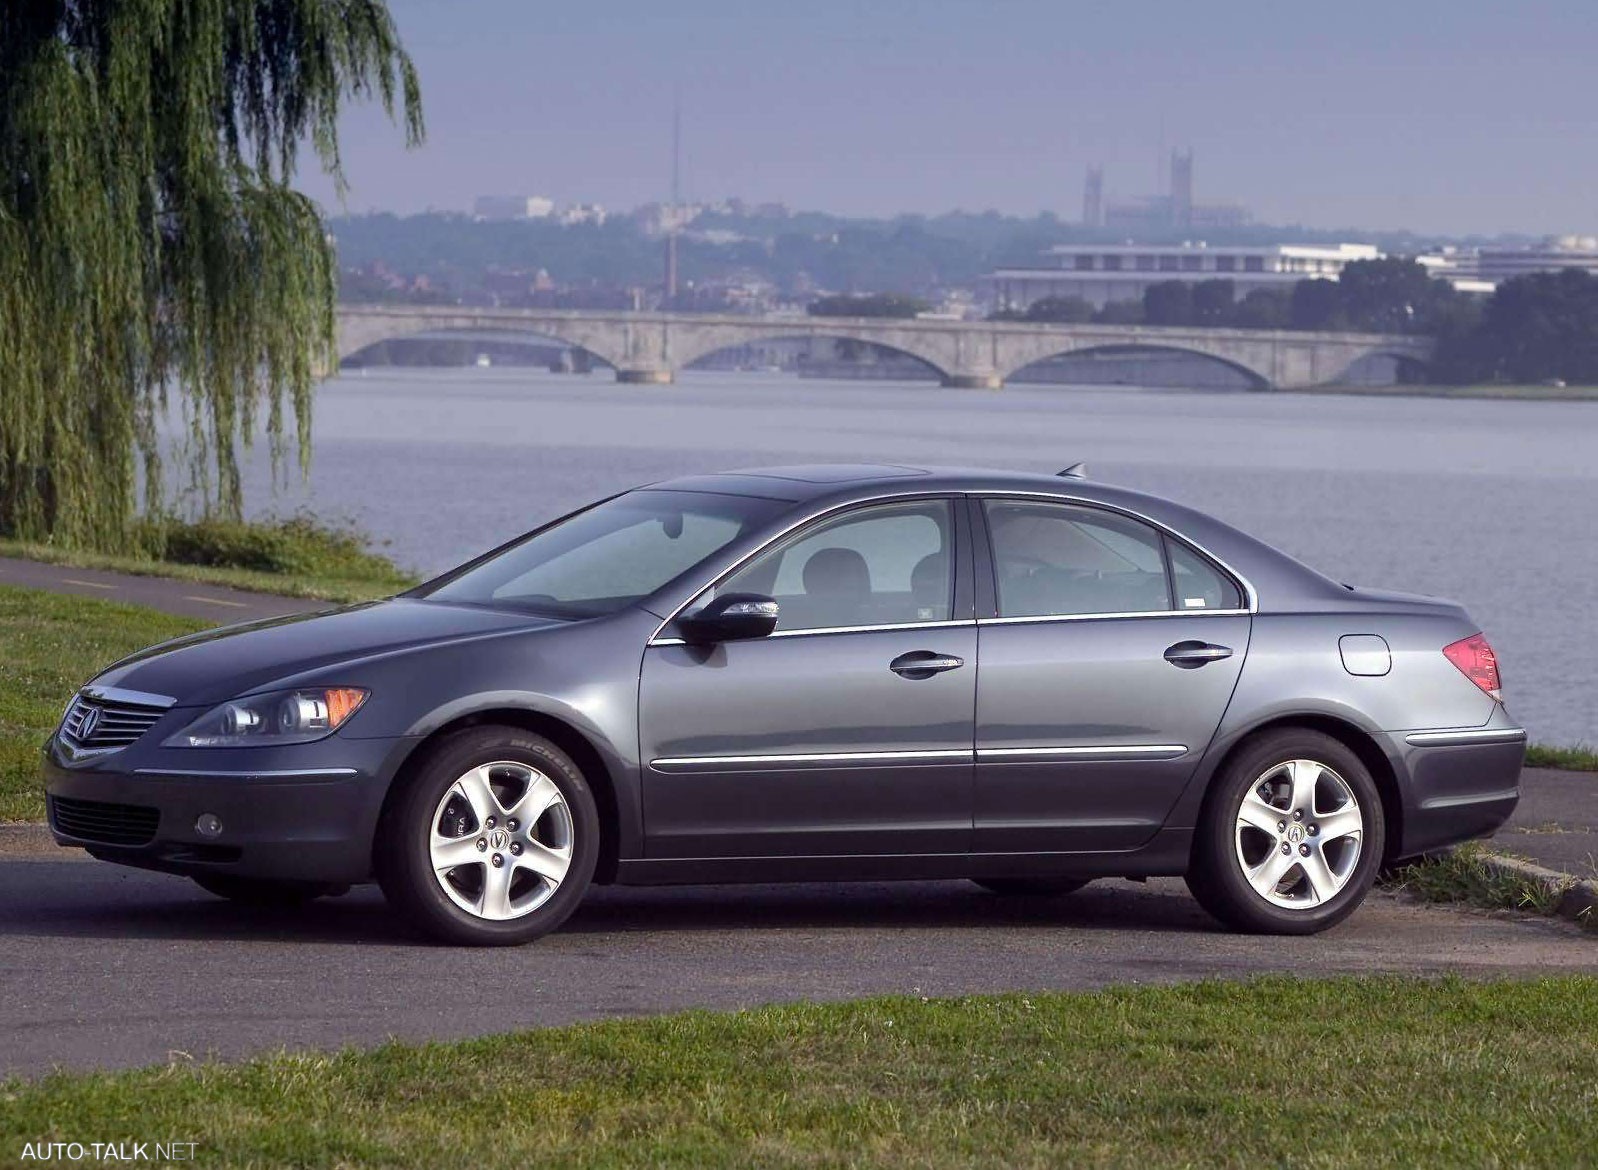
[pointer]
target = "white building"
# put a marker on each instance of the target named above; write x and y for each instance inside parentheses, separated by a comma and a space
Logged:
(576, 213)
(1552, 255)
(513, 207)
(1101, 273)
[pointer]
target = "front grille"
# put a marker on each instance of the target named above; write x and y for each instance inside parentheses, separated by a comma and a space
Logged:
(97, 820)
(93, 722)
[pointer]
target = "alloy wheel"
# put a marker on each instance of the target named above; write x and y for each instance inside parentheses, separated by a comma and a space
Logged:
(1299, 834)
(500, 841)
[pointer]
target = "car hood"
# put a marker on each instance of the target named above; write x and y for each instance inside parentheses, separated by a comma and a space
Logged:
(217, 665)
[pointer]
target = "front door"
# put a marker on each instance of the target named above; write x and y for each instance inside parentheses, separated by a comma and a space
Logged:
(1106, 670)
(849, 730)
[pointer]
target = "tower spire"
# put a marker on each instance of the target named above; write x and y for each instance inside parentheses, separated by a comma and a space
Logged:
(674, 210)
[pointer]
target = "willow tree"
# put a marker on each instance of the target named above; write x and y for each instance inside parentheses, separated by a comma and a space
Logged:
(153, 256)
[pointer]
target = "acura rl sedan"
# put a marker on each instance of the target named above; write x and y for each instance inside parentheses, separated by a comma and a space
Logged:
(802, 674)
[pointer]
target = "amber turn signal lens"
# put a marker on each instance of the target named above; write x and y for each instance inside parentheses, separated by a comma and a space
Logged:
(342, 702)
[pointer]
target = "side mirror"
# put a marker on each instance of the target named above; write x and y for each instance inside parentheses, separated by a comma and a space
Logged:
(732, 617)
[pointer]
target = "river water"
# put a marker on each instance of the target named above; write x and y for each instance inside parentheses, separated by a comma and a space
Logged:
(1492, 503)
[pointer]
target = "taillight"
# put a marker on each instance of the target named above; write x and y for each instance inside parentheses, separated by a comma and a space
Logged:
(1477, 662)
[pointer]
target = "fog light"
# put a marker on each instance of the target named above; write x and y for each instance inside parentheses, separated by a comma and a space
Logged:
(209, 825)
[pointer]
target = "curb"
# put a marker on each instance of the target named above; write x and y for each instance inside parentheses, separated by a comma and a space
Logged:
(1577, 899)
(27, 840)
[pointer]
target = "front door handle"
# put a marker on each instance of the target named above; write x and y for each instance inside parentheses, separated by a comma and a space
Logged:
(1192, 655)
(924, 664)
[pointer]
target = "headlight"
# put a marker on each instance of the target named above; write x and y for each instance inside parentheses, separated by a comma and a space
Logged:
(272, 720)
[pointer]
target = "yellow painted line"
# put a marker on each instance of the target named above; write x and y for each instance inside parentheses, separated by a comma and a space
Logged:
(215, 601)
(86, 584)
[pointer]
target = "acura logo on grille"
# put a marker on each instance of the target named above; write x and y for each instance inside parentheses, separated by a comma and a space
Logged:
(89, 723)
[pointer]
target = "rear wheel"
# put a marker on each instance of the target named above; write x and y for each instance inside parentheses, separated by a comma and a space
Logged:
(1291, 837)
(265, 893)
(1032, 887)
(492, 841)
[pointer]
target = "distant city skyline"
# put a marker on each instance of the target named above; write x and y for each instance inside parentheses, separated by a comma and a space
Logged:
(1452, 118)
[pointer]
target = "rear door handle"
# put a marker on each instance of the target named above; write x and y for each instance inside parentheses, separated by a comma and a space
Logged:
(1191, 655)
(924, 664)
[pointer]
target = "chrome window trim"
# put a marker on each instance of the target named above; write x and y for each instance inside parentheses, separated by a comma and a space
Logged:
(813, 758)
(106, 694)
(1141, 750)
(266, 773)
(1465, 735)
(1088, 617)
(1249, 592)
(949, 625)
(738, 565)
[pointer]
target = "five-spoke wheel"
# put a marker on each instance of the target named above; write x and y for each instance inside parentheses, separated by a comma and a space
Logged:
(501, 842)
(492, 838)
(1291, 835)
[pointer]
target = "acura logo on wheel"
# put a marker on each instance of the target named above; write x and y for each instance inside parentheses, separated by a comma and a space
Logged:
(499, 839)
(89, 724)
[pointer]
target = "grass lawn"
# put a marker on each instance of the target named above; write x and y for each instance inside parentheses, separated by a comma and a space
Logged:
(51, 644)
(1580, 758)
(317, 586)
(1382, 1071)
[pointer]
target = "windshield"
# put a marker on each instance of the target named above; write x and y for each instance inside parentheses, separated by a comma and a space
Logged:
(611, 555)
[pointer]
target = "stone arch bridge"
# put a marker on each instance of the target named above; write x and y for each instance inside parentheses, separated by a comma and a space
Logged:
(652, 347)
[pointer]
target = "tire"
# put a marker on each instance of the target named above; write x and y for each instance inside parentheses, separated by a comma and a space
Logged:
(265, 893)
(1031, 887)
(514, 877)
(1334, 842)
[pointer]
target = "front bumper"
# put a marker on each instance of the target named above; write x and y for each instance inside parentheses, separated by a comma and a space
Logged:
(1463, 783)
(305, 813)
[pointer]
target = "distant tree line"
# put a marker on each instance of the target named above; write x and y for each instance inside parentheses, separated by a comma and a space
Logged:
(869, 305)
(1536, 328)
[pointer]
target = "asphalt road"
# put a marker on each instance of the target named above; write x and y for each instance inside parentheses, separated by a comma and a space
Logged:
(185, 598)
(102, 966)
(1556, 822)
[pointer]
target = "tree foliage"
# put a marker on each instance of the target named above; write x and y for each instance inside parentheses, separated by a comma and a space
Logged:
(871, 305)
(151, 246)
(1534, 328)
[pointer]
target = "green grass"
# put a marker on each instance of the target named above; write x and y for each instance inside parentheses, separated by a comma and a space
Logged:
(1383, 1071)
(1462, 875)
(50, 644)
(296, 556)
(1579, 758)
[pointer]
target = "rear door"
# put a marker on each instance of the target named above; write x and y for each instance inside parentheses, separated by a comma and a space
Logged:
(1108, 652)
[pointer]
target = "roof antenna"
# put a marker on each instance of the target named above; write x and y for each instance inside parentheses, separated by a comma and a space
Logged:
(1075, 471)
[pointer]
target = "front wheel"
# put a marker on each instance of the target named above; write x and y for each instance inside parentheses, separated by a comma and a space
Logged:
(492, 841)
(1291, 837)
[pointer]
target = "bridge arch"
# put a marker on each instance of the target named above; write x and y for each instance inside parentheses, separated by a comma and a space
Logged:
(700, 344)
(360, 330)
(479, 335)
(1252, 378)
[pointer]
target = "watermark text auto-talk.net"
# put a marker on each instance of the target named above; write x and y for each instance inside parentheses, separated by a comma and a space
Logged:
(120, 1152)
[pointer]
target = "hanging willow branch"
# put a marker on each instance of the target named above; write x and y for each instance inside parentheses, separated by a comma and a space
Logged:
(150, 244)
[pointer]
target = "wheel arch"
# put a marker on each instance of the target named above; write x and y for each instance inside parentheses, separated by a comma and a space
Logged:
(584, 753)
(1359, 740)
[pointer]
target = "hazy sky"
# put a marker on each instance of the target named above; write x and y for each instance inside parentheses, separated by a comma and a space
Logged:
(1440, 115)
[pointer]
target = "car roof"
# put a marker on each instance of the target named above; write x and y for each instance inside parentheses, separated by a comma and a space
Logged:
(809, 481)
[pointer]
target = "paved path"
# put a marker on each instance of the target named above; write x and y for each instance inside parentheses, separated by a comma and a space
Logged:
(104, 966)
(1556, 822)
(185, 598)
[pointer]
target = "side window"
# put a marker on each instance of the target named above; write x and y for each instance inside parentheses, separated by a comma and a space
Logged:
(1059, 559)
(1199, 584)
(883, 565)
